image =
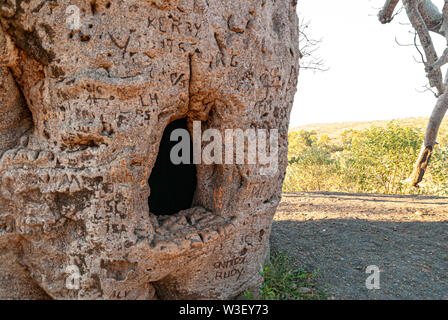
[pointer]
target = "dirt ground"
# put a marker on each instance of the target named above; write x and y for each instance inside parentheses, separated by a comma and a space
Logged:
(339, 235)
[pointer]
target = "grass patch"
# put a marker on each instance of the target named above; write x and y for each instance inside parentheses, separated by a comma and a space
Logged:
(283, 281)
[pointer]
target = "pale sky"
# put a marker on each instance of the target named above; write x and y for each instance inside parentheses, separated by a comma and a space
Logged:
(370, 77)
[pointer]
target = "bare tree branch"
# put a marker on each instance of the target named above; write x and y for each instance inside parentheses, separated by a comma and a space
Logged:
(425, 17)
(431, 15)
(386, 14)
(417, 22)
(444, 27)
(308, 47)
(430, 139)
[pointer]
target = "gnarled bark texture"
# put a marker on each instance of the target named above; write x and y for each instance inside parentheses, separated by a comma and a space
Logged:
(82, 114)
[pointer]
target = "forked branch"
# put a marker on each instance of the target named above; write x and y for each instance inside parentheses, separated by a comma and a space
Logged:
(425, 17)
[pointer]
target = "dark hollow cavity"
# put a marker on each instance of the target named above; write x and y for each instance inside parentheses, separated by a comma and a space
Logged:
(172, 186)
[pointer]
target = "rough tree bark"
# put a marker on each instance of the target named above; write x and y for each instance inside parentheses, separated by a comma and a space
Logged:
(87, 91)
(425, 17)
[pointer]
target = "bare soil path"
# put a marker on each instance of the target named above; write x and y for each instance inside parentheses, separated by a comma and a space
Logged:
(341, 234)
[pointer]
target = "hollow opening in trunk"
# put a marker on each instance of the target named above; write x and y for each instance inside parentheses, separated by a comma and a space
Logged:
(172, 186)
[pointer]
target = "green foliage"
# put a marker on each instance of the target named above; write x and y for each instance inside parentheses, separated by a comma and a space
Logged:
(372, 160)
(301, 140)
(282, 281)
(311, 170)
(310, 162)
(381, 159)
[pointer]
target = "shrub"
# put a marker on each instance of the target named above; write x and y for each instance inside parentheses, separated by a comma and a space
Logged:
(283, 281)
(314, 170)
(372, 160)
(381, 159)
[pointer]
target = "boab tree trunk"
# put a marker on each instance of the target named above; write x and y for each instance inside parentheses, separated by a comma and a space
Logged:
(90, 204)
(425, 17)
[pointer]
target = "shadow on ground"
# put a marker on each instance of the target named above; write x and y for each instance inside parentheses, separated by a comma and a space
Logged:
(341, 237)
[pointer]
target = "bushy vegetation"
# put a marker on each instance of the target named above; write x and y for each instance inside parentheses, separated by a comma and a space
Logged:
(283, 281)
(375, 159)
